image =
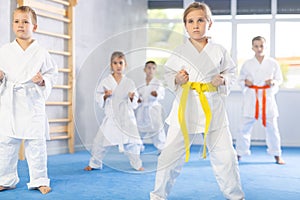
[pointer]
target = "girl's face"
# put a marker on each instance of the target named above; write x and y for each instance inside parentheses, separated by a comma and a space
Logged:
(258, 47)
(23, 26)
(150, 70)
(118, 65)
(197, 24)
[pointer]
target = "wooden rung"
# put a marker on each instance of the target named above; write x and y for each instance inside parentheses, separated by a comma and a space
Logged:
(64, 70)
(62, 120)
(43, 14)
(58, 129)
(45, 7)
(62, 86)
(64, 53)
(61, 2)
(53, 34)
(56, 103)
(63, 137)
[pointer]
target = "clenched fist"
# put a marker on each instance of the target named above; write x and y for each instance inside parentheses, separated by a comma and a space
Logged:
(181, 77)
(218, 80)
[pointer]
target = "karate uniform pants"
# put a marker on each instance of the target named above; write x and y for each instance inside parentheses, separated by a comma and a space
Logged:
(132, 151)
(36, 156)
(222, 157)
(158, 138)
(243, 140)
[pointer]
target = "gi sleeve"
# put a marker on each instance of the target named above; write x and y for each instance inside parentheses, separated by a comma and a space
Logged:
(228, 72)
(171, 69)
(49, 72)
(102, 87)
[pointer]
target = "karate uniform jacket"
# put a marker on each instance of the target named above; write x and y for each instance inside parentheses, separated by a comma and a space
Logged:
(201, 67)
(149, 113)
(258, 73)
(119, 124)
(22, 102)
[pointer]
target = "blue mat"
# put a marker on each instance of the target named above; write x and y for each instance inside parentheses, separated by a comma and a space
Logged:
(262, 179)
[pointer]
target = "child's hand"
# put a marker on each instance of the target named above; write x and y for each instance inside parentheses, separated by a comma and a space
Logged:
(269, 82)
(131, 96)
(107, 93)
(38, 79)
(181, 77)
(1, 75)
(154, 93)
(218, 80)
(248, 83)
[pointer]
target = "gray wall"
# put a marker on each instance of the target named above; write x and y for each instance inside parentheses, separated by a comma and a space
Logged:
(5, 20)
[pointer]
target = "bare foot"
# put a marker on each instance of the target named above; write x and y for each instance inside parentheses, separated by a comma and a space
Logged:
(44, 189)
(141, 169)
(279, 160)
(2, 188)
(88, 168)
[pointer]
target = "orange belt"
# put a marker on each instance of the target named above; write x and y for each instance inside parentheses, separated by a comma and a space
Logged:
(264, 100)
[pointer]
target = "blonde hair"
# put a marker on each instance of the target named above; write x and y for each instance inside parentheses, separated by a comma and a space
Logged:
(197, 6)
(27, 9)
(117, 54)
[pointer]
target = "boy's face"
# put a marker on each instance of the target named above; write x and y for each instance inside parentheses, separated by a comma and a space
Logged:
(23, 26)
(197, 24)
(150, 69)
(118, 65)
(258, 47)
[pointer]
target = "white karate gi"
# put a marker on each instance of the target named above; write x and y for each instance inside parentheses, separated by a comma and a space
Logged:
(258, 73)
(22, 112)
(201, 67)
(119, 124)
(150, 114)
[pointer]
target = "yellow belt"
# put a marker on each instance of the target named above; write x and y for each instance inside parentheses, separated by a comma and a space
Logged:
(200, 88)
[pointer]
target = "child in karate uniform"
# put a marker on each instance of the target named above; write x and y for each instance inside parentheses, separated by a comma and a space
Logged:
(200, 73)
(27, 74)
(149, 113)
(260, 78)
(115, 94)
